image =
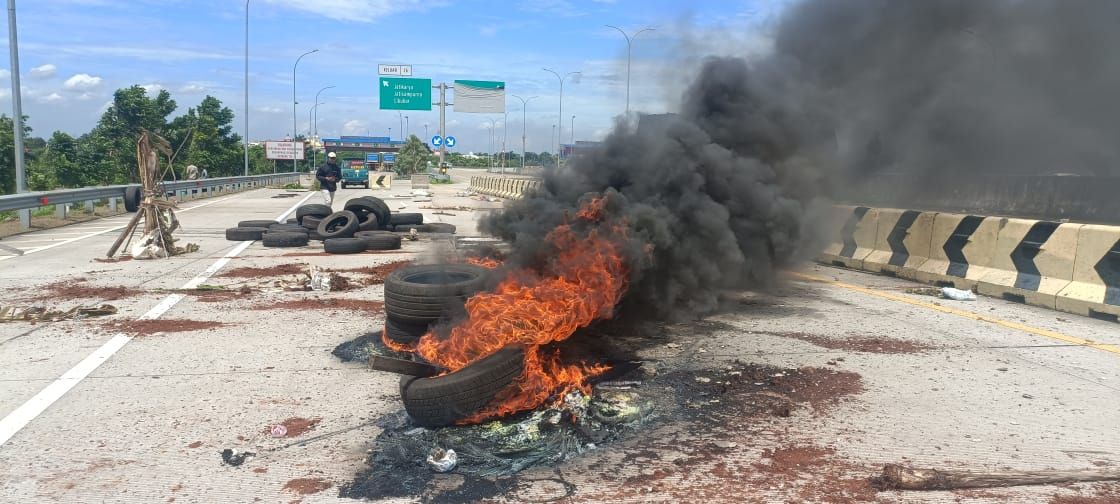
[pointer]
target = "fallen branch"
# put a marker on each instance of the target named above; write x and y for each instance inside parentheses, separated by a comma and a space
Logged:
(896, 477)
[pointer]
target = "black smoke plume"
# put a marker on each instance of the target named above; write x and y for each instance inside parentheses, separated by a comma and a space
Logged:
(726, 191)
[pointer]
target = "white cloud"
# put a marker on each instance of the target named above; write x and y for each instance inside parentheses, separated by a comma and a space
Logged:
(152, 89)
(163, 54)
(82, 82)
(5, 73)
(270, 110)
(43, 72)
(488, 31)
(51, 98)
(364, 11)
(355, 126)
(193, 88)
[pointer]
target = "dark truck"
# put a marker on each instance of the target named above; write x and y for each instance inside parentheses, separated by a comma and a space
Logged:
(354, 172)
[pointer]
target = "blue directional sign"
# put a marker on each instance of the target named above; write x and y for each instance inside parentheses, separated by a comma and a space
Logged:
(437, 141)
(372, 157)
(450, 141)
(389, 157)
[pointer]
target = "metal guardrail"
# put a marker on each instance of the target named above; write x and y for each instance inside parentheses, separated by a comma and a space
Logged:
(29, 200)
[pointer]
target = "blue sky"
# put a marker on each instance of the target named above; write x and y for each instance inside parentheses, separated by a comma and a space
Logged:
(75, 53)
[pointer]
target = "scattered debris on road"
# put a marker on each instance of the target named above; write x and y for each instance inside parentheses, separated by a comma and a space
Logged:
(957, 294)
(41, 314)
(897, 477)
(233, 458)
(150, 327)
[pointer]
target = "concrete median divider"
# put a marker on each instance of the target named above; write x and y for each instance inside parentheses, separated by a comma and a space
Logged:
(856, 229)
(902, 242)
(961, 248)
(1032, 262)
(1095, 289)
(503, 187)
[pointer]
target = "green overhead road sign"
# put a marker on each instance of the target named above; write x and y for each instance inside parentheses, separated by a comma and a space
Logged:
(399, 93)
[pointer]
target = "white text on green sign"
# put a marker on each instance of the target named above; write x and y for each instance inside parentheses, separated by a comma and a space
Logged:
(399, 93)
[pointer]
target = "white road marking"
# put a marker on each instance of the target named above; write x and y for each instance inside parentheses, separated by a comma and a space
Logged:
(28, 411)
(101, 232)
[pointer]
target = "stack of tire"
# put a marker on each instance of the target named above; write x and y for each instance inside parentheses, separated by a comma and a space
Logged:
(270, 233)
(416, 297)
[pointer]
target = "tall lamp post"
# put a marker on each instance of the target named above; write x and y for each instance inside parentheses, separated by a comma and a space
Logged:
(524, 113)
(311, 125)
(246, 88)
(400, 119)
(295, 162)
(17, 111)
(629, 39)
(316, 107)
(406, 132)
(490, 146)
(560, 116)
(552, 143)
(572, 132)
(425, 132)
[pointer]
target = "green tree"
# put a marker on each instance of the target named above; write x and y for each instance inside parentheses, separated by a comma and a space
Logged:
(111, 147)
(58, 165)
(413, 157)
(205, 138)
(8, 153)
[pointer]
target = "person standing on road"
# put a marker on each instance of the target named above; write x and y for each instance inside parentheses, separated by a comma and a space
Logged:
(192, 172)
(328, 176)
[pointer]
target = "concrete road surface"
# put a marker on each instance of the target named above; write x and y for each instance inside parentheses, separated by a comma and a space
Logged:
(115, 410)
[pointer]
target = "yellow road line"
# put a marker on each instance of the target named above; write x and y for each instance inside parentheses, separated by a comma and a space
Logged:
(961, 313)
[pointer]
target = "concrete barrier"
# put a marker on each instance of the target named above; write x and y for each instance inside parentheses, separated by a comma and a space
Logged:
(857, 231)
(961, 248)
(503, 187)
(1032, 263)
(902, 241)
(1095, 289)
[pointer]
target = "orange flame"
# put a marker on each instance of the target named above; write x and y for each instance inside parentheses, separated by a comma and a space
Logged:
(583, 283)
(485, 262)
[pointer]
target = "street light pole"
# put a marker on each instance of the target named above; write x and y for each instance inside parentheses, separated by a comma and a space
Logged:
(406, 132)
(316, 107)
(17, 105)
(400, 119)
(555, 152)
(524, 113)
(572, 132)
(629, 38)
(560, 116)
(313, 124)
(246, 88)
(490, 146)
(426, 132)
(295, 161)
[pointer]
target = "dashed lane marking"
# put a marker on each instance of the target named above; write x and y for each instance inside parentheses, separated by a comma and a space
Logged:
(961, 313)
(28, 411)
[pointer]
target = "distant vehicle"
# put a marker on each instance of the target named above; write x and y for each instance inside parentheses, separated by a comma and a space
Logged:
(355, 172)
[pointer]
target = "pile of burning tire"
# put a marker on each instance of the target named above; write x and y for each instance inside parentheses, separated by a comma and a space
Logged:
(366, 223)
(416, 299)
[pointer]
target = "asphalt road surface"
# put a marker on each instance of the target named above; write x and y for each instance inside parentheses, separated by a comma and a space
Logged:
(114, 409)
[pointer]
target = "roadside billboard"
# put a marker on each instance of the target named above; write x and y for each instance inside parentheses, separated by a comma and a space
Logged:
(283, 150)
(483, 97)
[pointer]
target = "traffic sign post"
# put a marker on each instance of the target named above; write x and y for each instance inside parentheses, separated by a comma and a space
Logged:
(399, 93)
(437, 141)
(398, 70)
(450, 142)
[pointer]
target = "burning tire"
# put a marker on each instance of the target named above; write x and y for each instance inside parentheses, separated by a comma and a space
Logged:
(245, 233)
(339, 225)
(344, 245)
(441, 400)
(314, 209)
(427, 293)
(284, 239)
(401, 219)
(404, 333)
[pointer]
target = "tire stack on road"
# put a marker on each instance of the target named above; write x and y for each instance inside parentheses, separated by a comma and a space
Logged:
(406, 222)
(358, 228)
(418, 296)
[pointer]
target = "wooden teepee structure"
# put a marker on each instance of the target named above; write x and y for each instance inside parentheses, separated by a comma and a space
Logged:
(158, 213)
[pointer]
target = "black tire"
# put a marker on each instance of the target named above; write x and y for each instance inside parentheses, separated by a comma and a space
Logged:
(257, 223)
(313, 209)
(133, 195)
(339, 225)
(404, 333)
(292, 221)
(436, 280)
(369, 223)
(245, 233)
(439, 227)
(379, 240)
(284, 239)
(400, 219)
(313, 234)
(440, 401)
(344, 245)
(360, 206)
(406, 228)
(294, 228)
(311, 222)
(384, 215)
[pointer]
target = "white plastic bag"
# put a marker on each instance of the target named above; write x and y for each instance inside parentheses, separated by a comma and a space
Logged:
(957, 294)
